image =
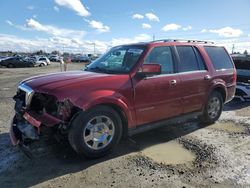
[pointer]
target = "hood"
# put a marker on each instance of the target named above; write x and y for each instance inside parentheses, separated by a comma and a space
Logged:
(81, 86)
(62, 79)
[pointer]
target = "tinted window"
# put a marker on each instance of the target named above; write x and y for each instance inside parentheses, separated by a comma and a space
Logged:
(188, 61)
(219, 58)
(162, 55)
(200, 60)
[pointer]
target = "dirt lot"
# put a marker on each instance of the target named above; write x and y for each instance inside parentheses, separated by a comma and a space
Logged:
(183, 155)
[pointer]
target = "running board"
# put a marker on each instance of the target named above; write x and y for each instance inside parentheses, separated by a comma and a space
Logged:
(158, 124)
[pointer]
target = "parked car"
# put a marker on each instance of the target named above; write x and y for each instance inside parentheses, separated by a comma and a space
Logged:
(44, 59)
(36, 62)
(13, 62)
(130, 89)
(55, 58)
(242, 64)
(41, 63)
(81, 59)
(3, 58)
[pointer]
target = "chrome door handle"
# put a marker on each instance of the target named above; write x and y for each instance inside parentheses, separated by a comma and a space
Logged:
(173, 82)
(207, 77)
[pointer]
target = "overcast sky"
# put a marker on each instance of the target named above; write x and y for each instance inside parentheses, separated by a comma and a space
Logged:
(75, 26)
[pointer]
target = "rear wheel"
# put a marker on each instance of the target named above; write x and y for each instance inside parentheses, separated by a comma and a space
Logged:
(10, 65)
(95, 133)
(213, 108)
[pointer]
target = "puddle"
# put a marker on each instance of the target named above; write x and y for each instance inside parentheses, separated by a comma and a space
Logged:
(169, 153)
(228, 127)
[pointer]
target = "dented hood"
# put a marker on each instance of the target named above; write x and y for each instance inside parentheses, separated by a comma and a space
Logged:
(62, 79)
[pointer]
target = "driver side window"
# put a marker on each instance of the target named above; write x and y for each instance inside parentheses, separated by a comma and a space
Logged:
(161, 55)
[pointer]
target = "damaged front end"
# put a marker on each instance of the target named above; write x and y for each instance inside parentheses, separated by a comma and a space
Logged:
(36, 110)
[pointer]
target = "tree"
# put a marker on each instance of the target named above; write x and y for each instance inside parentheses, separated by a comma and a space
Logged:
(55, 52)
(40, 52)
(245, 52)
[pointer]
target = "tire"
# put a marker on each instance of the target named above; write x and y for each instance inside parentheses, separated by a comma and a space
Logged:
(213, 108)
(10, 65)
(95, 133)
(41, 65)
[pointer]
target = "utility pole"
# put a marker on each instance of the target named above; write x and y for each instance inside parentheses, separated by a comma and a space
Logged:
(233, 49)
(153, 37)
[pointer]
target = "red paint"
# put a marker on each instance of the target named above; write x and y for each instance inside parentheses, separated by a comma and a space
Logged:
(142, 100)
(32, 120)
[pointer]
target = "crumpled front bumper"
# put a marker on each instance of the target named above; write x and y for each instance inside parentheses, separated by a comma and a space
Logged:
(21, 130)
(27, 126)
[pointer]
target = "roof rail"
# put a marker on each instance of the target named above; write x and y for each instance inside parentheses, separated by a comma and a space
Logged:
(184, 40)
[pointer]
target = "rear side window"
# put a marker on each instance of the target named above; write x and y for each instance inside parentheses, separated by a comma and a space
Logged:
(219, 57)
(188, 60)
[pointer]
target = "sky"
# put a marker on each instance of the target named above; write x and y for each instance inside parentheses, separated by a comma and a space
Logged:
(88, 26)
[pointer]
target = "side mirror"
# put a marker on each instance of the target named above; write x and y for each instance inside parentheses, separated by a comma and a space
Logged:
(150, 69)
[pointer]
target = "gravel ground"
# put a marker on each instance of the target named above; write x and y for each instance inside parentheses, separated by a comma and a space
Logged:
(183, 155)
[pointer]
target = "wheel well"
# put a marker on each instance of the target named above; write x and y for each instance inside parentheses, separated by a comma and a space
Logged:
(222, 92)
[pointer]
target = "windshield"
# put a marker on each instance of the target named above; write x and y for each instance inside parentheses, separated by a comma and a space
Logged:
(118, 60)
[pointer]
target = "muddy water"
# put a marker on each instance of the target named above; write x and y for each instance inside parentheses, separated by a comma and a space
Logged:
(228, 127)
(169, 153)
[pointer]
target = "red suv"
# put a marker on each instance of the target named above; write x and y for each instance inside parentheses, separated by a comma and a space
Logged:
(131, 88)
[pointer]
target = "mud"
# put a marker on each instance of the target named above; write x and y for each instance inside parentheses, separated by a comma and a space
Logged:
(182, 155)
(171, 153)
(229, 127)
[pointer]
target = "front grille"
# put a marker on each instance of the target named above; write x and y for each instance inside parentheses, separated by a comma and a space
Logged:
(41, 102)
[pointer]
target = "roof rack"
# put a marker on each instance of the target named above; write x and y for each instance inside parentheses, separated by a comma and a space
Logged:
(184, 40)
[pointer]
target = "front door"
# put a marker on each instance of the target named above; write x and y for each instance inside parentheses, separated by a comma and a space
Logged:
(158, 97)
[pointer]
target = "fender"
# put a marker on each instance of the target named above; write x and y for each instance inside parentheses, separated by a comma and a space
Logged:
(218, 83)
(99, 97)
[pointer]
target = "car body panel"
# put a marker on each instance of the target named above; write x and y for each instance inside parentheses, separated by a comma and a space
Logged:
(156, 98)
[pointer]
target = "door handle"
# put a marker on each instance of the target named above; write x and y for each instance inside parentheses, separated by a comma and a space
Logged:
(173, 82)
(207, 77)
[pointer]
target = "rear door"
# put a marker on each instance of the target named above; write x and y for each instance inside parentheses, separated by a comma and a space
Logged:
(158, 97)
(194, 76)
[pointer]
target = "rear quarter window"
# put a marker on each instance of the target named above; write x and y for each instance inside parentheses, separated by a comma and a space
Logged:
(219, 57)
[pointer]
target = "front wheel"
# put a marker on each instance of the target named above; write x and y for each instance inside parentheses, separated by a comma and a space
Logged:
(213, 108)
(95, 133)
